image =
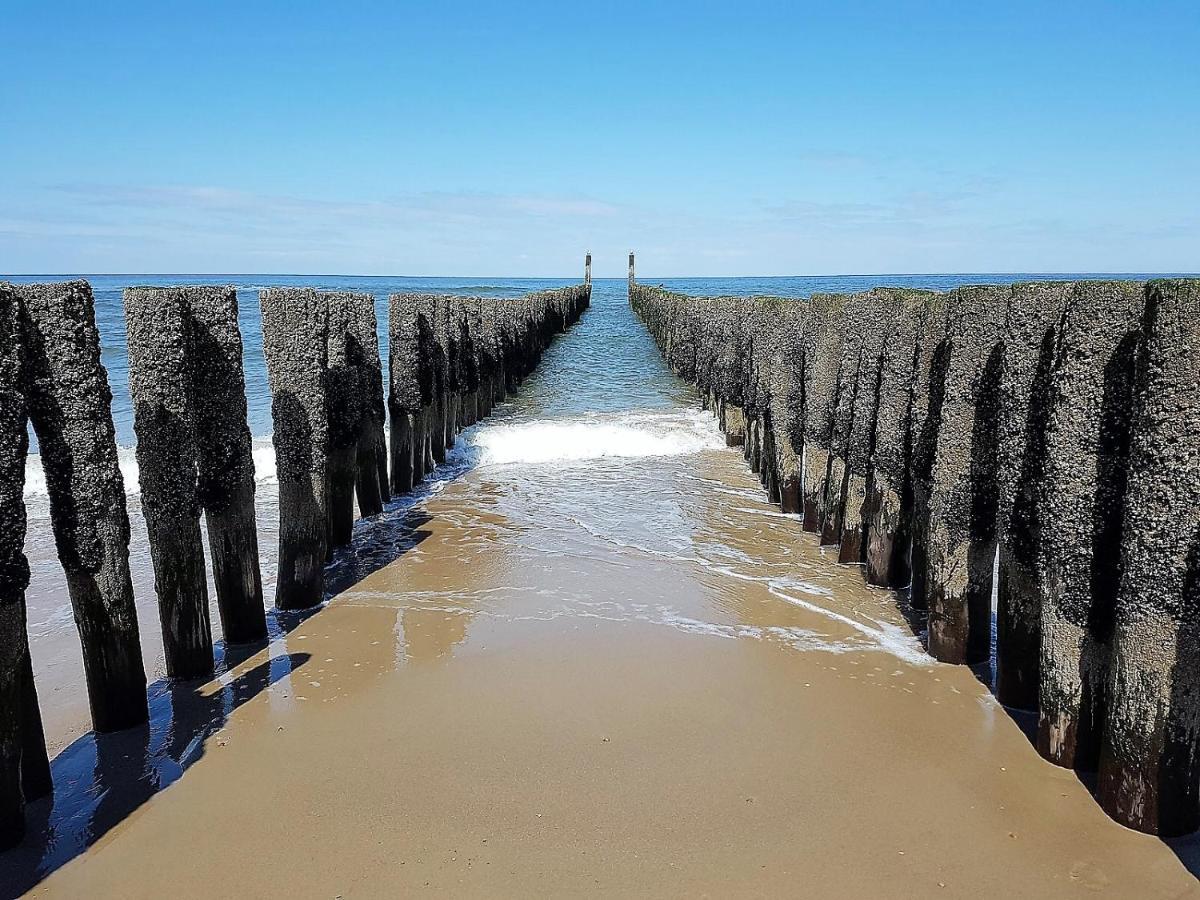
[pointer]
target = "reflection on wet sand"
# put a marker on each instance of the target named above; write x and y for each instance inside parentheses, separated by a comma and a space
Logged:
(430, 634)
(100, 780)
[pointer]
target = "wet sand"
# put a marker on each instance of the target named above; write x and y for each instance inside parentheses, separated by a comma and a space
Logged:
(537, 703)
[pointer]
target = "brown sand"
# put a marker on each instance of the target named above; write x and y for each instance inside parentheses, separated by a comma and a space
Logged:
(470, 722)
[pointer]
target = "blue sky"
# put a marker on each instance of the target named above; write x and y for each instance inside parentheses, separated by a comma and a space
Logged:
(505, 139)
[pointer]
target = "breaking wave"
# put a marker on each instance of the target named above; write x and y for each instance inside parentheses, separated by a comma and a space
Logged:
(632, 435)
(35, 477)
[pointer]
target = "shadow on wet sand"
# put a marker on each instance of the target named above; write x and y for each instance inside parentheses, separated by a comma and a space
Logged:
(1186, 848)
(102, 779)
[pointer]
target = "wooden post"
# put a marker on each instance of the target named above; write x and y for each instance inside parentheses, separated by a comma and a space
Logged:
(854, 418)
(345, 400)
(964, 487)
(1031, 327)
(1149, 766)
(470, 354)
(14, 572)
(1077, 519)
(587, 269)
(160, 384)
(371, 487)
(295, 324)
(225, 459)
(890, 494)
(441, 377)
(929, 394)
(823, 380)
(404, 392)
(70, 406)
(489, 355)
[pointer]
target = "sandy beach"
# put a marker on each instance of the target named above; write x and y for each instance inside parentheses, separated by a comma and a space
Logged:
(469, 721)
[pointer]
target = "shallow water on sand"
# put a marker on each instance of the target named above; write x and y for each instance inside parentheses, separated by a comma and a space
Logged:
(589, 657)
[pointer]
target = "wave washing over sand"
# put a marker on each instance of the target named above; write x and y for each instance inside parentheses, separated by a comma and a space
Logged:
(632, 435)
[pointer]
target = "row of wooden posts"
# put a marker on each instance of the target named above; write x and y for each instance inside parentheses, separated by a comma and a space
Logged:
(451, 360)
(1050, 430)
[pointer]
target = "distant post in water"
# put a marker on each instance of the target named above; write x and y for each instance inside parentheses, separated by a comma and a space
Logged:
(70, 406)
(632, 278)
(587, 269)
(295, 323)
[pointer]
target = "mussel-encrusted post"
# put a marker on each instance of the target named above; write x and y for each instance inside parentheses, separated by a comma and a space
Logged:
(787, 403)
(470, 323)
(888, 511)
(823, 379)
(964, 486)
(295, 324)
(928, 398)
(160, 383)
(1078, 514)
(487, 342)
(1034, 317)
(441, 434)
(14, 574)
(863, 342)
(345, 398)
(1149, 764)
(372, 485)
(70, 406)
(405, 401)
(225, 459)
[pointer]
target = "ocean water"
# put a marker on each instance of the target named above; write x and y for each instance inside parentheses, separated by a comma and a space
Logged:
(597, 455)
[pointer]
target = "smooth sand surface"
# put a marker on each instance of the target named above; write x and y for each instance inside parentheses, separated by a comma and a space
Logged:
(500, 714)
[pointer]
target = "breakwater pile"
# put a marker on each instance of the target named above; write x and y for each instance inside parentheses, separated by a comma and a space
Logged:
(187, 383)
(1036, 442)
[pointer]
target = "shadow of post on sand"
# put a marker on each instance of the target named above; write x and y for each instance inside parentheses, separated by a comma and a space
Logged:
(102, 779)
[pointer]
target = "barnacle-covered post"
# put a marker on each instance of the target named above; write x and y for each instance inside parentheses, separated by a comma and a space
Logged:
(160, 383)
(295, 325)
(372, 485)
(18, 742)
(405, 404)
(225, 459)
(964, 492)
(1077, 519)
(1149, 764)
(1031, 329)
(70, 407)
(345, 395)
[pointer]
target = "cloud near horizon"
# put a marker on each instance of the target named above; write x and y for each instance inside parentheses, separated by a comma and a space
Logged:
(97, 228)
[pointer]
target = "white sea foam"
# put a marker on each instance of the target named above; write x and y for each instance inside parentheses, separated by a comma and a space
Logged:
(35, 477)
(626, 436)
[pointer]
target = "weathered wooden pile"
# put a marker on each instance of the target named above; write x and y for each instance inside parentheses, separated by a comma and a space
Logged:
(1051, 429)
(451, 360)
